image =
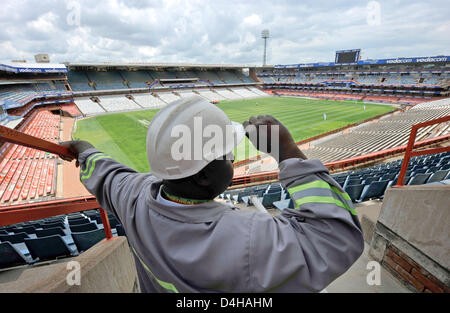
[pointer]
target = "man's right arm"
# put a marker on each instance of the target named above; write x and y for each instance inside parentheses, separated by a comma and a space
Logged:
(306, 248)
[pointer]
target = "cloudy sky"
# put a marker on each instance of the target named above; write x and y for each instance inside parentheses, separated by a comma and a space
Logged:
(216, 31)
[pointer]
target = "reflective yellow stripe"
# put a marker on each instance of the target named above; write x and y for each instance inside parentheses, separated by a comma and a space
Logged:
(92, 168)
(91, 157)
(314, 184)
(167, 286)
(331, 200)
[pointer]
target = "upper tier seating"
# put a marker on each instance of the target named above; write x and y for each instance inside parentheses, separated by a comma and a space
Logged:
(78, 81)
(106, 80)
(137, 79)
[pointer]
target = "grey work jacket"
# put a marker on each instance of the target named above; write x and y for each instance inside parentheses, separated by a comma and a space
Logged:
(212, 247)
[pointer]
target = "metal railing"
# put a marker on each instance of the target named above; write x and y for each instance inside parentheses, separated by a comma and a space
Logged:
(409, 148)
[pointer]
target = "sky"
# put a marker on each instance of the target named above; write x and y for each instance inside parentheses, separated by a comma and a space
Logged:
(216, 31)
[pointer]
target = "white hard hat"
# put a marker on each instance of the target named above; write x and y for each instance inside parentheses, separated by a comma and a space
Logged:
(181, 137)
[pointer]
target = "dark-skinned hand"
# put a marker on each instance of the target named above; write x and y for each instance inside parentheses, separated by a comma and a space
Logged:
(75, 147)
(263, 140)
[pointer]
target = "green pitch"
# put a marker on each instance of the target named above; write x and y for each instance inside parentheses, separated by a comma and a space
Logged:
(122, 135)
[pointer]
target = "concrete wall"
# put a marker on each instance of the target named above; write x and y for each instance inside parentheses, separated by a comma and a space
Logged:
(411, 236)
(421, 216)
(107, 267)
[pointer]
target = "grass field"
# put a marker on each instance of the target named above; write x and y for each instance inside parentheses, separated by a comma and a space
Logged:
(122, 135)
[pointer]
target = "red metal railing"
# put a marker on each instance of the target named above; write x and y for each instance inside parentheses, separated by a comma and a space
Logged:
(409, 153)
(26, 212)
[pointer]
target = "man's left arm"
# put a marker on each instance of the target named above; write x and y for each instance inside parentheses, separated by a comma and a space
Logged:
(111, 182)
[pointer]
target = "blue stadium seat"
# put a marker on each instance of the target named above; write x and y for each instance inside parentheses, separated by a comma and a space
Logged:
(374, 190)
(354, 191)
(3, 232)
(437, 176)
(48, 248)
(419, 179)
(79, 221)
(83, 227)
(120, 230)
(10, 256)
(53, 225)
(25, 229)
(284, 204)
(269, 198)
(369, 180)
(49, 232)
(16, 238)
(85, 240)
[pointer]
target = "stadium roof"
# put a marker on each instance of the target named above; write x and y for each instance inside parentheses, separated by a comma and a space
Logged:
(434, 59)
(23, 67)
(155, 65)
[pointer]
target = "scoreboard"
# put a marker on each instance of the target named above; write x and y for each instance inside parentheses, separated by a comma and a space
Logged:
(347, 56)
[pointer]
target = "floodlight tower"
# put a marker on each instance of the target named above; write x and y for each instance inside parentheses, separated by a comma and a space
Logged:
(265, 35)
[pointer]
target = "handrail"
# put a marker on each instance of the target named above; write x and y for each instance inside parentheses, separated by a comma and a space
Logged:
(409, 153)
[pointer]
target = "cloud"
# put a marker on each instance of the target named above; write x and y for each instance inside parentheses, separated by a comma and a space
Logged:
(202, 31)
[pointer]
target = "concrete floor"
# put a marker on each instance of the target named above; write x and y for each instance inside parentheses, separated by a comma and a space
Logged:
(355, 279)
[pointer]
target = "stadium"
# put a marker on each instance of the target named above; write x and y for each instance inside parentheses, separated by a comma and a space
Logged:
(380, 126)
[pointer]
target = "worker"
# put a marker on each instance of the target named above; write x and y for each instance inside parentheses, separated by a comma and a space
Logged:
(183, 240)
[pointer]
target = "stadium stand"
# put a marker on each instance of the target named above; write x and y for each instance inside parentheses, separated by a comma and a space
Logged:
(26, 173)
(118, 104)
(228, 94)
(210, 94)
(389, 132)
(136, 79)
(148, 101)
(45, 244)
(361, 185)
(106, 80)
(168, 97)
(78, 81)
(88, 107)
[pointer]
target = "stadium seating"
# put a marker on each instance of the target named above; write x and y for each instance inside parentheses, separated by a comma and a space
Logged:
(26, 173)
(361, 185)
(136, 79)
(48, 248)
(50, 231)
(120, 230)
(148, 101)
(389, 132)
(228, 94)
(211, 95)
(168, 97)
(106, 80)
(88, 107)
(78, 81)
(87, 239)
(118, 104)
(10, 256)
(83, 227)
